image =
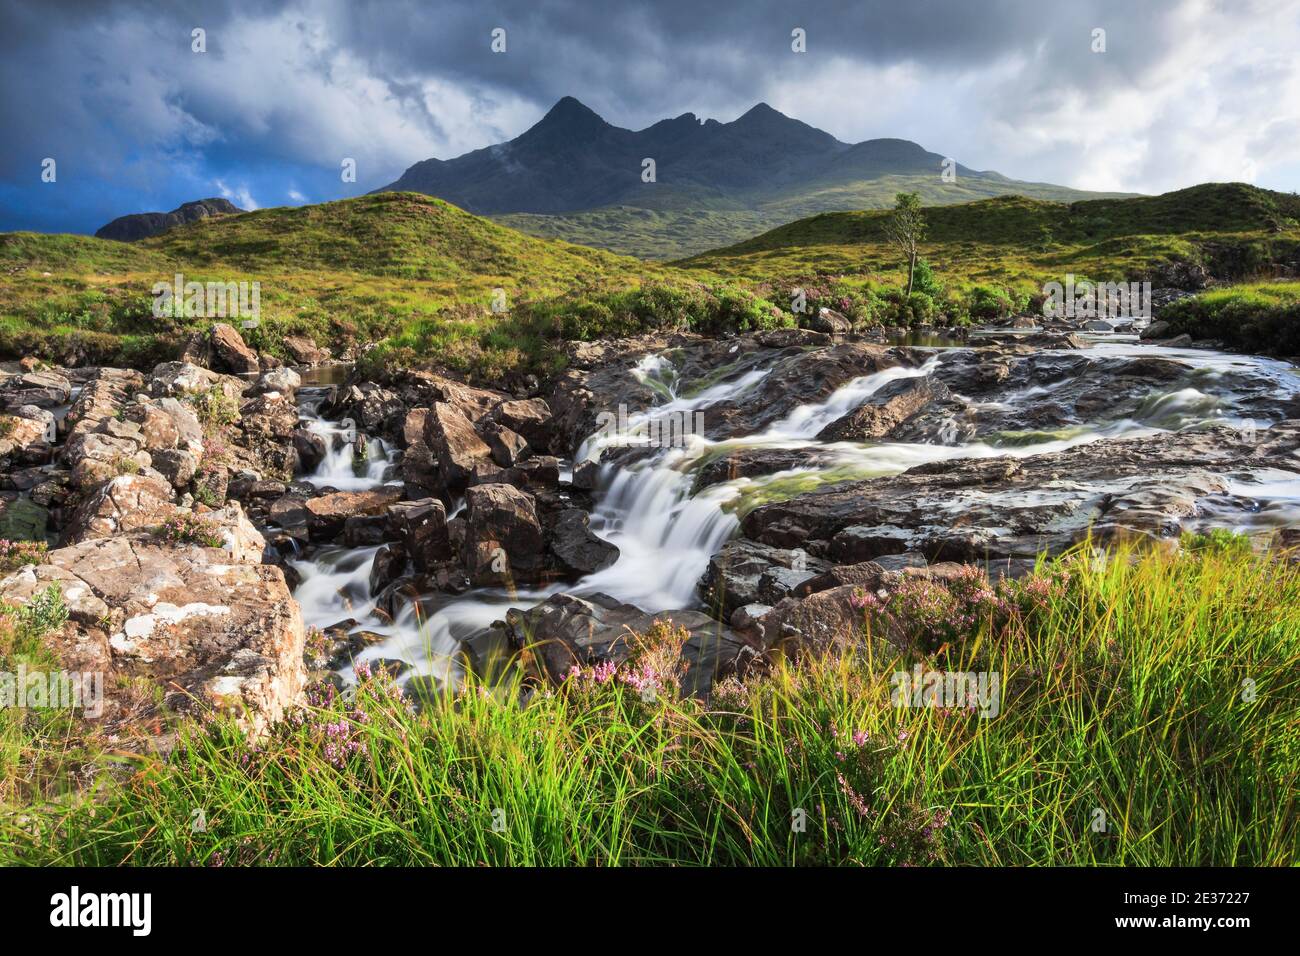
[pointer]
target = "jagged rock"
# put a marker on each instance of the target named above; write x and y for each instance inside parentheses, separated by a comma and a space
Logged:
(534, 474)
(586, 475)
(326, 514)
(230, 351)
(310, 447)
(364, 531)
(413, 427)
(180, 379)
(503, 537)
(422, 527)
(389, 565)
(455, 444)
(565, 630)
(530, 418)
(271, 415)
(577, 550)
(176, 465)
(44, 389)
(20, 434)
(304, 351)
(101, 396)
(885, 409)
(290, 514)
(507, 447)
(748, 572)
(211, 631)
(95, 458)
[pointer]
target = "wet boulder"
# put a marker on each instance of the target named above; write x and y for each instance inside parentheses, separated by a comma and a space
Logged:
(578, 551)
(455, 444)
(326, 515)
(885, 409)
(503, 542)
(421, 526)
(311, 449)
(388, 566)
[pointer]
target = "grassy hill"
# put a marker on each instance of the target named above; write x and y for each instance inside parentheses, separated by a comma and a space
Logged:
(678, 228)
(356, 270)
(419, 274)
(1016, 242)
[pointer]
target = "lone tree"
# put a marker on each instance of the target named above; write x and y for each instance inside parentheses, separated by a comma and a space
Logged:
(906, 229)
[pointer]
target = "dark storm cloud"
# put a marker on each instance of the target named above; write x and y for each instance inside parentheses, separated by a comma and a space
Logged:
(1186, 89)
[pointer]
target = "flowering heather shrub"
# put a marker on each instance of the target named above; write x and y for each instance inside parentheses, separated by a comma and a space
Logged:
(930, 613)
(185, 527)
(15, 554)
(316, 649)
(654, 668)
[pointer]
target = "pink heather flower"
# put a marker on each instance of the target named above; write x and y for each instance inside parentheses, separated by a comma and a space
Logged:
(860, 738)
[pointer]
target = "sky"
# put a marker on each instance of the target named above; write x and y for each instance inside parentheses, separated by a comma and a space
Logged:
(136, 118)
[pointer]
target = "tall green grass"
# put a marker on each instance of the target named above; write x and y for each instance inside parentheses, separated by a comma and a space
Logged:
(1258, 317)
(1149, 716)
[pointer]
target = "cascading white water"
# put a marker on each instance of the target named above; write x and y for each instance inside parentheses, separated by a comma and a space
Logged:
(666, 536)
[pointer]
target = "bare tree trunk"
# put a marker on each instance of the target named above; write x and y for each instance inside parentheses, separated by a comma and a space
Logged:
(911, 273)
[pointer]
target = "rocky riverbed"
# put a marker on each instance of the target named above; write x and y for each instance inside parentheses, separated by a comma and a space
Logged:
(225, 531)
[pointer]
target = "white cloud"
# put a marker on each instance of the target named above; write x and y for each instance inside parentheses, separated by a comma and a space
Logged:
(239, 195)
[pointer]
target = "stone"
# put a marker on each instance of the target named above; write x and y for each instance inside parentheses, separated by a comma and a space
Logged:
(507, 447)
(285, 381)
(388, 566)
(455, 444)
(576, 549)
(829, 322)
(311, 449)
(230, 351)
(885, 409)
(211, 634)
(326, 514)
(530, 418)
(125, 503)
(422, 527)
(176, 465)
(503, 537)
(304, 351)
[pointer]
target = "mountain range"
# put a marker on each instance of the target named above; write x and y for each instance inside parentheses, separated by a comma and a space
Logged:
(575, 176)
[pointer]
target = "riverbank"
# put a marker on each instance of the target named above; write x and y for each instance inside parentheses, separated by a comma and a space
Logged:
(1146, 718)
